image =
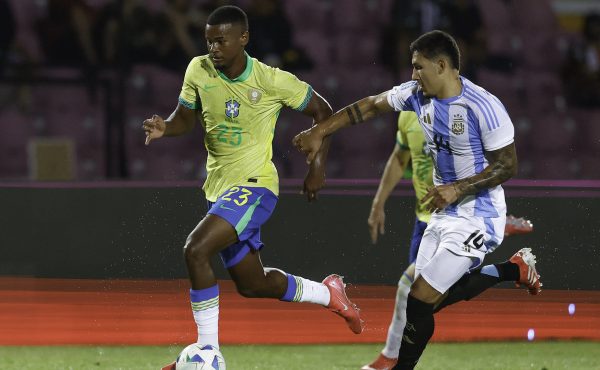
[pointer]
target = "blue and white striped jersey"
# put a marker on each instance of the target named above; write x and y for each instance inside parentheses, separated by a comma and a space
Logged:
(458, 132)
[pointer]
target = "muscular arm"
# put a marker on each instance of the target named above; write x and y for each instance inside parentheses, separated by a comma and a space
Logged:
(358, 112)
(392, 174)
(309, 141)
(319, 109)
(181, 121)
(502, 166)
(394, 169)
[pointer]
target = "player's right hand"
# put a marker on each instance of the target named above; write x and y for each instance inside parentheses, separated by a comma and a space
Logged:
(308, 142)
(376, 223)
(154, 128)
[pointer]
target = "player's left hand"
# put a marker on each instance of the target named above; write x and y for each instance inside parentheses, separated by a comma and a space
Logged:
(313, 182)
(439, 197)
(308, 142)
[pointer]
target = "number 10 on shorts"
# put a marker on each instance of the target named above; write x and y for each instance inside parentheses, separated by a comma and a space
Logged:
(475, 240)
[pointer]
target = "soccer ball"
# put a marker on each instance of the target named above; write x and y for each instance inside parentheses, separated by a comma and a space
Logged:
(199, 356)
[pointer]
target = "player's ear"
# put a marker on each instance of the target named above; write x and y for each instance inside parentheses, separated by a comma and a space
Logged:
(244, 38)
(441, 65)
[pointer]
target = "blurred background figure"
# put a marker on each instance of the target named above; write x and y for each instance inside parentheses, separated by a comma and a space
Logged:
(581, 70)
(85, 71)
(270, 25)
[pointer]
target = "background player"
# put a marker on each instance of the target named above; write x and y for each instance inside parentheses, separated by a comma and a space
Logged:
(410, 150)
(238, 100)
(471, 140)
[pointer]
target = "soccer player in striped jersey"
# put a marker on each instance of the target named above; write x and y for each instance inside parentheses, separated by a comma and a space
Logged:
(238, 99)
(410, 150)
(470, 138)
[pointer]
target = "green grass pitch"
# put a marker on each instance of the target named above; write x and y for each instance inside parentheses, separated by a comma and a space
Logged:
(463, 356)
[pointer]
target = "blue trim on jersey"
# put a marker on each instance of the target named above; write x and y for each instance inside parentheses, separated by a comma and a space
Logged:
(444, 157)
(483, 205)
(488, 110)
(475, 141)
(483, 202)
(307, 98)
(492, 243)
(186, 104)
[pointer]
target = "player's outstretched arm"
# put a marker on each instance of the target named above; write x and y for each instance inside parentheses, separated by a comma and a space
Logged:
(319, 109)
(309, 141)
(180, 122)
(502, 166)
(392, 174)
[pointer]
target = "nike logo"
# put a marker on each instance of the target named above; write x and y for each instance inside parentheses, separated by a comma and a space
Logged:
(207, 87)
(223, 206)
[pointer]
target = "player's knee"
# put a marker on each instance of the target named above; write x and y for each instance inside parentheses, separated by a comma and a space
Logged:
(195, 249)
(424, 292)
(249, 291)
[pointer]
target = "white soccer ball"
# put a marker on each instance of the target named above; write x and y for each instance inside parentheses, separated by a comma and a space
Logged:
(199, 356)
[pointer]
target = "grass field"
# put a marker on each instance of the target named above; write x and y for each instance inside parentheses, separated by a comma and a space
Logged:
(476, 356)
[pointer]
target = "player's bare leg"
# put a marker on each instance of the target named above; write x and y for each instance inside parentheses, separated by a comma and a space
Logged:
(255, 281)
(210, 236)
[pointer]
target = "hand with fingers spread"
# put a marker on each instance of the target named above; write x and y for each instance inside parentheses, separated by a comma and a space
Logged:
(309, 142)
(439, 197)
(376, 222)
(154, 128)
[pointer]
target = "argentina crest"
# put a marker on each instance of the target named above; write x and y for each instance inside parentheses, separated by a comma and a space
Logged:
(458, 124)
(232, 108)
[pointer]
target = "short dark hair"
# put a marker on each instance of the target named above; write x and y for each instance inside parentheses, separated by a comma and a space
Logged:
(436, 43)
(228, 14)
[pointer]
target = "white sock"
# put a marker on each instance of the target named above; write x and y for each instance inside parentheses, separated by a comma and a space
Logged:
(205, 308)
(314, 292)
(207, 322)
(396, 329)
(303, 290)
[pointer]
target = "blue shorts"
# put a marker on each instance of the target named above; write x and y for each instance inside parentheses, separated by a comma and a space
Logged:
(246, 209)
(415, 241)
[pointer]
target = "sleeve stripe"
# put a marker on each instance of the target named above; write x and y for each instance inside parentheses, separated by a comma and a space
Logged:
(307, 98)
(402, 146)
(187, 104)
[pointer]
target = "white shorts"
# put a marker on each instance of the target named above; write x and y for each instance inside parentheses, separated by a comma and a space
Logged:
(451, 246)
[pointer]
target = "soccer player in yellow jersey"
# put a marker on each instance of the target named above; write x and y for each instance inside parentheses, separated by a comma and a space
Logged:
(238, 99)
(410, 150)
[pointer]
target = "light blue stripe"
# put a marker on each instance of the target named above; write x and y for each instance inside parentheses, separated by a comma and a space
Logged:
(491, 243)
(490, 270)
(487, 100)
(488, 107)
(482, 108)
(475, 141)
(444, 158)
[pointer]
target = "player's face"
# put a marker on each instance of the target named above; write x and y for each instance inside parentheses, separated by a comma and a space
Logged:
(225, 42)
(427, 73)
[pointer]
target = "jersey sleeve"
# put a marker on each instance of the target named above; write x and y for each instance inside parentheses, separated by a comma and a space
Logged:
(497, 130)
(292, 92)
(402, 97)
(188, 96)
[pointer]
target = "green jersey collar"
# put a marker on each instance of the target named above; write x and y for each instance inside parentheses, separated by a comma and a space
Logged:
(244, 76)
